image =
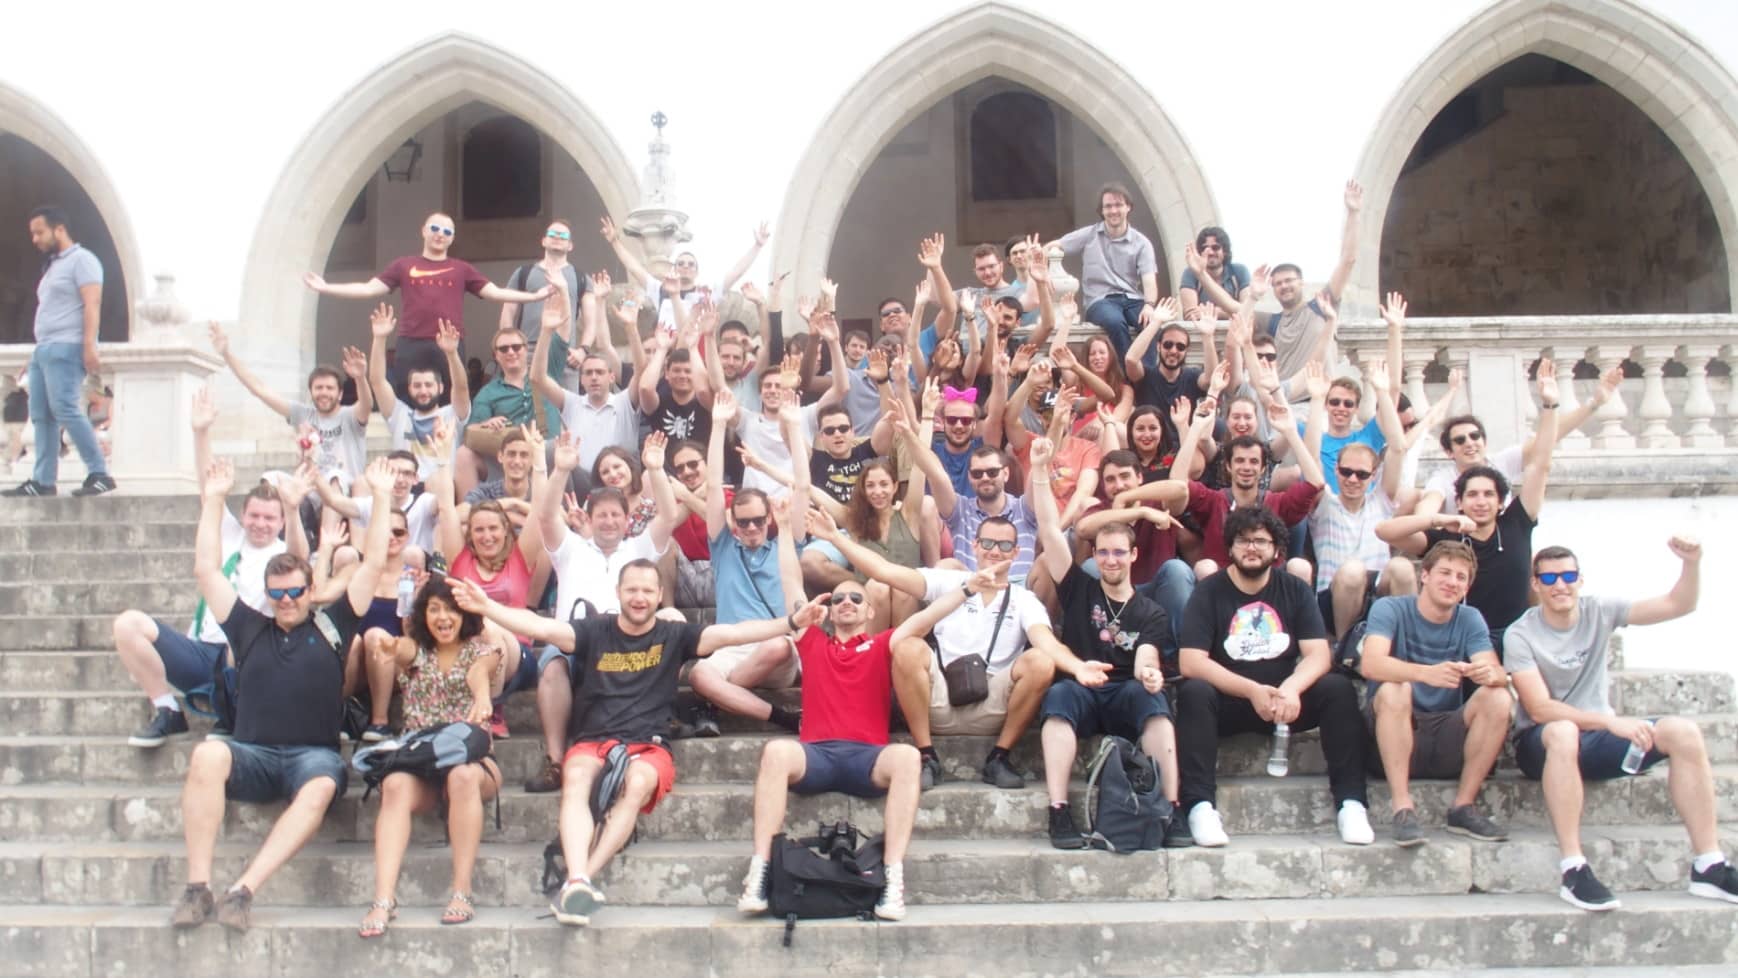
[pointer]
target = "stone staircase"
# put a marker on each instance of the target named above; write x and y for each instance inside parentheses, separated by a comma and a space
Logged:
(91, 850)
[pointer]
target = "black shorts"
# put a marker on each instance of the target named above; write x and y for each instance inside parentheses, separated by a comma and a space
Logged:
(1121, 708)
(840, 765)
(1600, 758)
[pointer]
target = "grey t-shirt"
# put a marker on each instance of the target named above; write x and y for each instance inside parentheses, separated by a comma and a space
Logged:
(1294, 335)
(59, 307)
(343, 439)
(1107, 264)
(1426, 643)
(1572, 662)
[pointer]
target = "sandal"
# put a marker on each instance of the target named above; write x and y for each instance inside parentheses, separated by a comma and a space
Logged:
(371, 929)
(462, 916)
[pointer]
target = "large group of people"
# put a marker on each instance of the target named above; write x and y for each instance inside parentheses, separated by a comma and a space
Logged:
(989, 520)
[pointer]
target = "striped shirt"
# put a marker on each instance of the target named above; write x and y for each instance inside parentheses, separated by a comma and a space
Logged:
(1341, 535)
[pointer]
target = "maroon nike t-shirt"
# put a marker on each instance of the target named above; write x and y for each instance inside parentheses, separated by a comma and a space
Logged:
(431, 290)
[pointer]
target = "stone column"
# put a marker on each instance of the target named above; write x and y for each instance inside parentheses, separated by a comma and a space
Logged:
(657, 223)
(1699, 402)
(1414, 361)
(1612, 412)
(1731, 361)
(1656, 409)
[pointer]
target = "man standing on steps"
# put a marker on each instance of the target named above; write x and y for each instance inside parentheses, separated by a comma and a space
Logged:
(1255, 654)
(1420, 648)
(1569, 733)
(434, 286)
(69, 303)
(527, 317)
(628, 665)
(159, 658)
(290, 704)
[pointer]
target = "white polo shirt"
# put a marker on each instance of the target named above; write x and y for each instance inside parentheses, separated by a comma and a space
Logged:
(615, 422)
(967, 630)
(584, 571)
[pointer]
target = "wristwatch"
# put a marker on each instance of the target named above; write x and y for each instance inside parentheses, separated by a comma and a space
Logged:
(966, 589)
(1547, 406)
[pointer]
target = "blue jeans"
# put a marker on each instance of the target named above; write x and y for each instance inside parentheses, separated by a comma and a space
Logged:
(56, 382)
(1172, 587)
(1120, 317)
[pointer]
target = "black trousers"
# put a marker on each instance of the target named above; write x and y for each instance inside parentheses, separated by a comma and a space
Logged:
(1204, 715)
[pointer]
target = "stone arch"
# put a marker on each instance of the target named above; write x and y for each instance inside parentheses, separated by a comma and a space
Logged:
(989, 39)
(337, 157)
(1665, 72)
(30, 120)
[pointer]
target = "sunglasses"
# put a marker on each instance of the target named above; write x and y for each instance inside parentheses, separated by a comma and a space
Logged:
(436, 228)
(1174, 346)
(958, 421)
(560, 235)
(855, 597)
(1342, 402)
(510, 348)
(280, 593)
(1267, 357)
(1469, 436)
(1005, 546)
(751, 522)
(837, 429)
(400, 533)
(1549, 578)
(890, 313)
(1117, 554)
(692, 466)
(985, 473)
(1358, 474)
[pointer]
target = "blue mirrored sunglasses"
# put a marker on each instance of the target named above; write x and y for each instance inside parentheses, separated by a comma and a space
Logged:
(280, 593)
(1549, 578)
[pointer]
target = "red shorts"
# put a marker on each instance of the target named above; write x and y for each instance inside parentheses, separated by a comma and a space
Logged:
(652, 754)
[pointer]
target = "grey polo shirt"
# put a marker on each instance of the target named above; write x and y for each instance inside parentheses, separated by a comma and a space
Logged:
(1109, 265)
(59, 308)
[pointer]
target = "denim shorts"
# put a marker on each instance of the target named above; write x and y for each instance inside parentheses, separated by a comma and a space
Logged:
(1121, 708)
(187, 662)
(264, 773)
(840, 765)
(1601, 757)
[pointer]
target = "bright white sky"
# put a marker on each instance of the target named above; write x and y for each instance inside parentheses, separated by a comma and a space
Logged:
(193, 109)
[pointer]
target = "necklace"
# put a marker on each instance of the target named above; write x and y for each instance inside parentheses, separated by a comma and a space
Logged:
(1114, 611)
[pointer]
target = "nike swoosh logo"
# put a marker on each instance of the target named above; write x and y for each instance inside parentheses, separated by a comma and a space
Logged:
(425, 273)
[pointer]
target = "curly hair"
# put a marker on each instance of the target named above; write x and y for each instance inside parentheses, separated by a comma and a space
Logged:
(1247, 519)
(470, 624)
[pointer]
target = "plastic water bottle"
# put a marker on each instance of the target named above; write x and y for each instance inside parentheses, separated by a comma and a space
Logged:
(406, 593)
(1279, 758)
(1632, 760)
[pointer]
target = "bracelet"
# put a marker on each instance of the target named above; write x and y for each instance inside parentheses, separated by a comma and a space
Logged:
(966, 589)
(1547, 406)
(791, 620)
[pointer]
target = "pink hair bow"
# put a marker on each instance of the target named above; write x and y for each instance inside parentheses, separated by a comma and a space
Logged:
(950, 393)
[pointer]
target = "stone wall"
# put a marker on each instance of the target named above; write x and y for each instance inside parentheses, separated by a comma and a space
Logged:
(32, 179)
(1570, 202)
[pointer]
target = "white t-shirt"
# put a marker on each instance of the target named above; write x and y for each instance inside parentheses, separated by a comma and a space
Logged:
(249, 578)
(764, 438)
(616, 422)
(666, 312)
(584, 571)
(967, 630)
(411, 430)
(343, 448)
(1509, 462)
(419, 516)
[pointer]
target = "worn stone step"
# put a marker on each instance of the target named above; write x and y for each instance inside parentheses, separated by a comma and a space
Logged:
(938, 870)
(98, 536)
(65, 509)
(98, 597)
(168, 564)
(1012, 941)
(721, 811)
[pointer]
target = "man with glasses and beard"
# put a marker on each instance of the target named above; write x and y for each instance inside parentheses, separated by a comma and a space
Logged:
(434, 286)
(1169, 380)
(1119, 270)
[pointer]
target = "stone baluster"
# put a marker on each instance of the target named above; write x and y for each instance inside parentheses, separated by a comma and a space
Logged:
(1566, 361)
(1529, 407)
(1461, 360)
(1731, 360)
(1612, 412)
(1656, 409)
(1699, 402)
(1414, 361)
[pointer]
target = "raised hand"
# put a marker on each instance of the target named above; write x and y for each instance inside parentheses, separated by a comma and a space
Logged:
(600, 283)
(440, 438)
(627, 313)
(219, 479)
(1279, 412)
(1325, 302)
(219, 339)
(378, 476)
(829, 294)
(931, 397)
(724, 407)
(1547, 380)
(826, 326)
(1193, 260)
(566, 452)
(447, 336)
(1394, 311)
(1609, 382)
(1182, 415)
(806, 308)
(1166, 309)
(663, 339)
(1063, 357)
(923, 293)
(811, 613)
(790, 413)
(355, 364)
(1207, 318)
(1022, 361)
(295, 488)
(1377, 376)
(929, 252)
(878, 365)
(762, 234)
(204, 412)
(383, 322)
(790, 375)
(1354, 196)
(607, 228)
(557, 313)
(573, 514)
(1043, 450)
(820, 524)
(469, 596)
(1315, 380)
(313, 281)
(1687, 549)
(1220, 380)
(652, 453)
(1257, 284)
(752, 293)
(534, 438)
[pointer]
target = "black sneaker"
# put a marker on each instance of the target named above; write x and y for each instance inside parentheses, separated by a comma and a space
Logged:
(1467, 820)
(1064, 834)
(95, 484)
(374, 733)
(705, 721)
(30, 487)
(1177, 834)
(931, 772)
(999, 772)
(165, 723)
(1581, 889)
(1719, 882)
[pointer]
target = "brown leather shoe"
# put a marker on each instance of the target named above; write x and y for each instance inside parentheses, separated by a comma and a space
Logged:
(194, 907)
(547, 780)
(236, 909)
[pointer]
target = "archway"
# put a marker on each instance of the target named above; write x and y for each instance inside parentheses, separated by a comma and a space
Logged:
(1659, 69)
(1021, 48)
(45, 163)
(335, 162)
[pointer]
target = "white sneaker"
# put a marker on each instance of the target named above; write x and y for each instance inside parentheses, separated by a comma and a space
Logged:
(891, 906)
(753, 899)
(1354, 824)
(1206, 826)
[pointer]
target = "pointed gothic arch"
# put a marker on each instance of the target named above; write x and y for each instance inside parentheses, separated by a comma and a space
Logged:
(1008, 42)
(23, 116)
(336, 159)
(1664, 71)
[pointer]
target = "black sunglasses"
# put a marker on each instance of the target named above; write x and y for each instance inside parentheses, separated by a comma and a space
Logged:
(985, 473)
(1358, 474)
(693, 464)
(750, 522)
(1174, 346)
(510, 348)
(958, 421)
(400, 532)
(855, 597)
(837, 429)
(1341, 402)
(1469, 436)
(1268, 357)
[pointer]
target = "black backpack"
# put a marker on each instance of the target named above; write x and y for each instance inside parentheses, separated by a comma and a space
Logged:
(427, 754)
(1126, 809)
(824, 875)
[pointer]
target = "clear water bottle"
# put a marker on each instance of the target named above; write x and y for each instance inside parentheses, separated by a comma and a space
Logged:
(1279, 758)
(406, 593)
(1632, 760)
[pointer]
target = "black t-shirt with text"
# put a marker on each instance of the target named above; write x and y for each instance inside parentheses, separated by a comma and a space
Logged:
(1256, 636)
(838, 476)
(1098, 629)
(1505, 565)
(289, 685)
(679, 421)
(624, 685)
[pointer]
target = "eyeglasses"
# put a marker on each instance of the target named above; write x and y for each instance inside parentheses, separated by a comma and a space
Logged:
(1005, 546)
(1116, 554)
(399, 533)
(1254, 543)
(687, 263)
(1549, 578)
(1267, 357)
(1469, 436)
(958, 421)
(985, 473)
(436, 228)
(691, 466)
(510, 348)
(837, 429)
(280, 593)
(1342, 402)
(1358, 474)
(890, 313)
(751, 522)
(1212, 246)
(1174, 346)
(855, 597)
(559, 235)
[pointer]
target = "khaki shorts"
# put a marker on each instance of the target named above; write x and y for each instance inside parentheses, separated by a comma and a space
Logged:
(726, 660)
(983, 718)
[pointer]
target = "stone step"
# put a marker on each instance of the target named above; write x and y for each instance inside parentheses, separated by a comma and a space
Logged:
(172, 565)
(97, 537)
(1109, 939)
(1255, 805)
(937, 871)
(65, 509)
(96, 596)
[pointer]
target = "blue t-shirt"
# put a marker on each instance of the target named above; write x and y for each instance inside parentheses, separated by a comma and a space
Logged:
(958, 466)
(1422, 642)
(1370, 434)
(747, 581)
(59, 307)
